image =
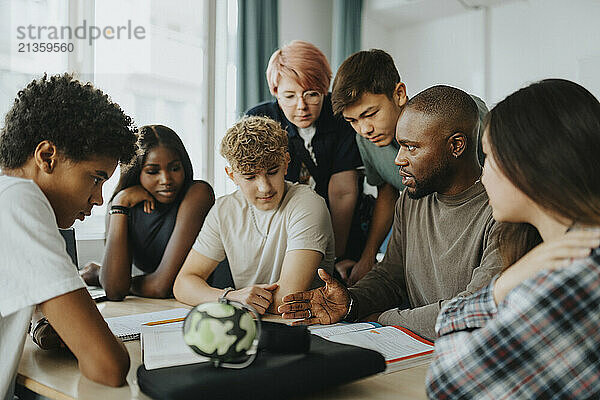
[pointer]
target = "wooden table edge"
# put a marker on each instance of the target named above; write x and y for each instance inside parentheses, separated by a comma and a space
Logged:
(42, 389)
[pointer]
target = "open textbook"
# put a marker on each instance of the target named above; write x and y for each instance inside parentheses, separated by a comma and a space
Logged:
(400, 347)
(128, 327)
(163, 346)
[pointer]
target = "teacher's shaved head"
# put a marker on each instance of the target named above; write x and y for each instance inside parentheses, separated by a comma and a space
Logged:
(454, 109)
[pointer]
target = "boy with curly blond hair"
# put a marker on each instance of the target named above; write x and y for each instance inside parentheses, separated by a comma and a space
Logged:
(275, 234)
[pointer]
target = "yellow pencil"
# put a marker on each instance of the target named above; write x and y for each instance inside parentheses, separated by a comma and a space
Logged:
(166, 321)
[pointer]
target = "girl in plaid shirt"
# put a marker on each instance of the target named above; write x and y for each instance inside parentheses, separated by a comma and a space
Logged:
(534, 331)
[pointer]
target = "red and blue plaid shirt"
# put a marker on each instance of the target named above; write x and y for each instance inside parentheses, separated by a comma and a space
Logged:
(542, 341)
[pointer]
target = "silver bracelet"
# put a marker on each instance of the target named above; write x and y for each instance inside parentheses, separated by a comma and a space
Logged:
(119, 210)
(349, 308)
(225, 291)
(38, 323)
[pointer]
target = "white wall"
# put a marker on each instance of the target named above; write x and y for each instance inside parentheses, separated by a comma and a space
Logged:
(448, 50)
(526, 41)
(308, 20)
(542, 39)
(375, 35)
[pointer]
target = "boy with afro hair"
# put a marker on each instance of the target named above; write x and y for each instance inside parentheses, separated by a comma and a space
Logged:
(60, 142)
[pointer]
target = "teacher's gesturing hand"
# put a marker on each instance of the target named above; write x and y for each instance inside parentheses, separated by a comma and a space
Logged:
(325, 305)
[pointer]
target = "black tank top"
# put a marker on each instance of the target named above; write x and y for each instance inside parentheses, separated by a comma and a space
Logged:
(150, 233)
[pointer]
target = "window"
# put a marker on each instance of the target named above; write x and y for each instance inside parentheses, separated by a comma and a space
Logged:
(225, 89)
(160, 79)
(18, 63)
(178, 71)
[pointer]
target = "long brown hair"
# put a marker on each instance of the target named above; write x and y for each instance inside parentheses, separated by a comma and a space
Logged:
(546, 139)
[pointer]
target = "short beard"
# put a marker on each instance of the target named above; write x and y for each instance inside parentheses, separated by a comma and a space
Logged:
(439, 176)
(421, 190)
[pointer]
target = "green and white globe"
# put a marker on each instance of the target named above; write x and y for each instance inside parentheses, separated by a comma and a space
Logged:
(220, 331)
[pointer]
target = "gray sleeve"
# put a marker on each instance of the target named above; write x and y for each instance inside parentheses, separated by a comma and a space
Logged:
(373, 177)
(421, 320)
(490, 264)
(384, 287)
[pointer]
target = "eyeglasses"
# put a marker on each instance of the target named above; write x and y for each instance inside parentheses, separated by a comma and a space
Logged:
(311, 97)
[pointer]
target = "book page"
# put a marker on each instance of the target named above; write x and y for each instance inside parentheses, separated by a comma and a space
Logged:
(326, 331)
(163, 346)
(128, 326)
(390, 341)
(96, 292)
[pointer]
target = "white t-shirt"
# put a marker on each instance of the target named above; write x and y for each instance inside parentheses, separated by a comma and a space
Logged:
(307, 135)
(255, 242)
(35, 267)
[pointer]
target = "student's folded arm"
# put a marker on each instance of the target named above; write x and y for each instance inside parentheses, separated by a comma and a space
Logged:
(297, 273)
(190, 285)
(343, 192)
(457, 355)
(190, 217)
(115, 273)
(101, 356)
(467, 312)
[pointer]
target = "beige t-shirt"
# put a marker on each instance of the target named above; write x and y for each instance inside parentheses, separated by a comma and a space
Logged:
(255, 242)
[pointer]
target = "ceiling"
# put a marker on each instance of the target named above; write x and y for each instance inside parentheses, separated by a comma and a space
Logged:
(400, 13)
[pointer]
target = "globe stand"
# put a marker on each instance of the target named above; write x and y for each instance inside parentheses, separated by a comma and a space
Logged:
(253, 350)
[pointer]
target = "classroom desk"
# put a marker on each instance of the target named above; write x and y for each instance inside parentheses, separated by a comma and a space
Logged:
(55, 374)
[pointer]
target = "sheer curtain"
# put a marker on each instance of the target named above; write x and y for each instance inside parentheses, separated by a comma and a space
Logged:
(257, 40)
(347, 20)
(179, 73)
(225, 98)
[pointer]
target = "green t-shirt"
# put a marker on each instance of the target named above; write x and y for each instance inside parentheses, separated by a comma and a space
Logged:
(379, 161)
